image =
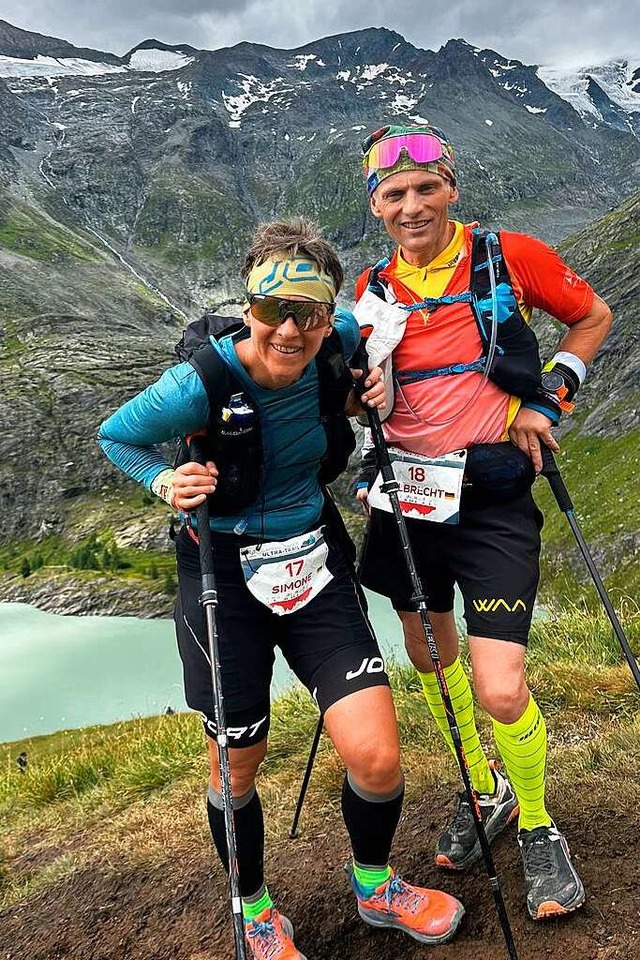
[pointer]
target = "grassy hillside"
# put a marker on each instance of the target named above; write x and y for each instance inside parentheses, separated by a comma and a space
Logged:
(120, 808)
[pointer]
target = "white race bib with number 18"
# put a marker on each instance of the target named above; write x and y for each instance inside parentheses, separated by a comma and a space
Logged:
(427, 489)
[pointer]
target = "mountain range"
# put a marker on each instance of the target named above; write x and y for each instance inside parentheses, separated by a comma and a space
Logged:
(129, 187)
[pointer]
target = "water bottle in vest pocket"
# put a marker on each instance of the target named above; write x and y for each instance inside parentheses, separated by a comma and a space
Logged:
(236, 449)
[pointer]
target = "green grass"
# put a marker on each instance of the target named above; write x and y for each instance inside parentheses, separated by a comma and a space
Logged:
(575, 635)
(601, 475)
(26, 232)
(574, 660)
(126, 793)
(88, 547)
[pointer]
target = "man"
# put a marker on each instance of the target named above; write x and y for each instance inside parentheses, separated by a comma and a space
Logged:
(467, 377)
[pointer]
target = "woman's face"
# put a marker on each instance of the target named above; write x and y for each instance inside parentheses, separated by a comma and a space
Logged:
(277, 356)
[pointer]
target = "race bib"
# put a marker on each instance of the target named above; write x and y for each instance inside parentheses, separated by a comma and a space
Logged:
(427, 489)
(285, 575)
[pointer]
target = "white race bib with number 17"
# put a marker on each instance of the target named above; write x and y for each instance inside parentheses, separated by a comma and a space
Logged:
(285, 575)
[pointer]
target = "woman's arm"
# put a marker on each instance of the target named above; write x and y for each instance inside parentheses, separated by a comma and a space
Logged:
(176, 405)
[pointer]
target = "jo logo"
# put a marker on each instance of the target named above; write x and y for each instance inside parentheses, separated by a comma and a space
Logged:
(368, 665)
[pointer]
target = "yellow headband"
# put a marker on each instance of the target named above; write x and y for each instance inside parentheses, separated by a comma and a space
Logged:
(291, 276)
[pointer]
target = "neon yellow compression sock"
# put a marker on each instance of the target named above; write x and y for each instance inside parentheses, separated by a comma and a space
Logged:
(462, 700)
(523, 748)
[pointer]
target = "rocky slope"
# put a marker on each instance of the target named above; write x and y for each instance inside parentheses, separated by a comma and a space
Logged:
(127, 195)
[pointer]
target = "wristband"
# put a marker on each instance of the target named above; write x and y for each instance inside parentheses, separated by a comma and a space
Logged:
(560, 380)
(162, 485)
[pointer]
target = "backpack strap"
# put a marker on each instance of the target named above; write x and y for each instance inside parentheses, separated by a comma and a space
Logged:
(214, 373)
(334, 385)
(480, 282)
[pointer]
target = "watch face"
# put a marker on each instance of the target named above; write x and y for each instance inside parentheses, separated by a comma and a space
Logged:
(552, 381)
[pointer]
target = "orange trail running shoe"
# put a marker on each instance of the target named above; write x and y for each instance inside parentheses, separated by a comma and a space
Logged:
(429, 916)
(269, 937)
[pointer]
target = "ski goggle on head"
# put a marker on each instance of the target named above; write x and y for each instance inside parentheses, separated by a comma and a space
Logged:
(394, 149)
(307, 314)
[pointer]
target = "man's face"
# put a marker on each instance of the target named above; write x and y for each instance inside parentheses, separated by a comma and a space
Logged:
(414, 207)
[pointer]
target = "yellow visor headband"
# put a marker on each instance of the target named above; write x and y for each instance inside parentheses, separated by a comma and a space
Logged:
(291, 277)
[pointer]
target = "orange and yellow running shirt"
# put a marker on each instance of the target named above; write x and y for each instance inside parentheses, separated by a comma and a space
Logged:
(446, 413)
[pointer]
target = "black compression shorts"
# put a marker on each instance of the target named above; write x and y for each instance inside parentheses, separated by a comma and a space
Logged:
(329, 643)
(492, 554)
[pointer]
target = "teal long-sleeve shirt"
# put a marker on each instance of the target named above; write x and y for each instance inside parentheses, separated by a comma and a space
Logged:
(290, 499)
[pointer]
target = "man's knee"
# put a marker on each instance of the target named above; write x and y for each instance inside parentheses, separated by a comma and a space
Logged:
(503, 701)
(445, 634)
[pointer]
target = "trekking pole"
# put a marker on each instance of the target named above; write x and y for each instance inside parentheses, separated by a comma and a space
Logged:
(293, 832)
(551, 471)
(390, 487)
(209, 601)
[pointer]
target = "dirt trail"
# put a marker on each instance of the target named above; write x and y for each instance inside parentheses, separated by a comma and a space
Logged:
(178, 912)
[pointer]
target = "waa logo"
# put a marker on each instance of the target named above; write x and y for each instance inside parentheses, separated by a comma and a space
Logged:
(493, 605)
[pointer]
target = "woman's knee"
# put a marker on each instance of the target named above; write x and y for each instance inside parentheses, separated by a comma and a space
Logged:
(376, 769)
(244, 764)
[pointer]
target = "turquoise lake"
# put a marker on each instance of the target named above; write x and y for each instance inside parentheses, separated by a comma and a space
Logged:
(61, 672)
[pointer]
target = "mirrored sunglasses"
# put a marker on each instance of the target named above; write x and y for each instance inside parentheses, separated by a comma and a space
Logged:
(421, 147)
(307, 314)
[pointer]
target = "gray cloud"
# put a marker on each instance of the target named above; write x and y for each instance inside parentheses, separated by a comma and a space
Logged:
(569, 32)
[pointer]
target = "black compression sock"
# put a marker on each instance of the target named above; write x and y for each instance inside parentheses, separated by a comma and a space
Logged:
(371, 821)
(249, 824)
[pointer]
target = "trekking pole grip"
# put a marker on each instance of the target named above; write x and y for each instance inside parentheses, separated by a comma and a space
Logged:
(551, 471)
(198, 455)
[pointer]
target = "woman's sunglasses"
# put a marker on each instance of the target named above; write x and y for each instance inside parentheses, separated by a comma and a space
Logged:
(307, 314)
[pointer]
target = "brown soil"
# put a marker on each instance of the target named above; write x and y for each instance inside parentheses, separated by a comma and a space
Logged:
(179, 911)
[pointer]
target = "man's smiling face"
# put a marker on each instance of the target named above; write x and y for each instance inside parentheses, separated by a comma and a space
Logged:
(414, 207)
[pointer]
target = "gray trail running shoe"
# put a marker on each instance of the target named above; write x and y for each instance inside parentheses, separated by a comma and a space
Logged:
(458, 846)
(551, 882)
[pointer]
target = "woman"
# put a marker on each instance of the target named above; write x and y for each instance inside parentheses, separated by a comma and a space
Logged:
(292, 278)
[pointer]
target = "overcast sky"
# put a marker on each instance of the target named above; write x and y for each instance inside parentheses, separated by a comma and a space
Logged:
(554, 32)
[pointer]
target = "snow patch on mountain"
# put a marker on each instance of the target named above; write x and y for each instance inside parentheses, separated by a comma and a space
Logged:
(141, 61)
(615, 78)
(42, 66)
(157, 61)
(302, 60)
(402, 104)
(571, 86)
(255, 91)
(363, 74)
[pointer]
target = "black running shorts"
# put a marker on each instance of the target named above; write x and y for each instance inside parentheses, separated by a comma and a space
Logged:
(492, 554)
(329, 643)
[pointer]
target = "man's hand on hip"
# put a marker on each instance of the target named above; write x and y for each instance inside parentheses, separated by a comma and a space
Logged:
(528, 431)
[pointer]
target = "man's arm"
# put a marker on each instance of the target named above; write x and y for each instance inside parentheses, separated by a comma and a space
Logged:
(583, 339)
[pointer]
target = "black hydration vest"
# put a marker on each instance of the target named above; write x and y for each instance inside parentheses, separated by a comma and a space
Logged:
(516, 363)
(233, 437)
